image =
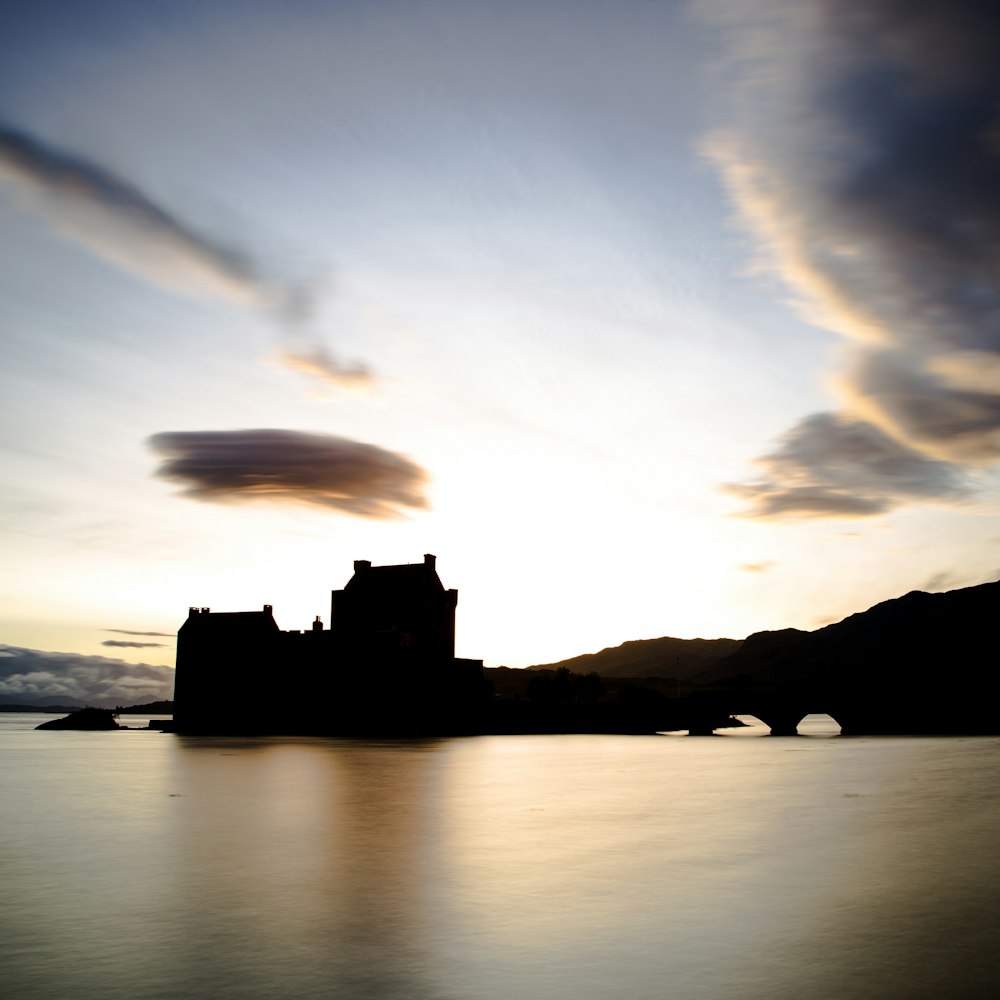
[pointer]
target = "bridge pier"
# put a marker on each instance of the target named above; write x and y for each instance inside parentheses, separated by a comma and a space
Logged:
(782, 721)
(701, 729)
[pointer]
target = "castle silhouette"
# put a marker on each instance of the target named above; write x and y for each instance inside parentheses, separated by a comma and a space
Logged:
(385, 665)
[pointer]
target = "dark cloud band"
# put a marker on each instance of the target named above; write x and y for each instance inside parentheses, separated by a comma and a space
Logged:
(115, 220)
(125, 643)
(829, 466)
(866, 156)
(286, 466)
(93, 680)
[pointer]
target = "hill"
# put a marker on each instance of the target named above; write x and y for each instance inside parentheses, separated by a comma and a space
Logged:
(918, 663)
(149, 708)
(919, 637)
(665, 657)
(40, 703)
(36, 709)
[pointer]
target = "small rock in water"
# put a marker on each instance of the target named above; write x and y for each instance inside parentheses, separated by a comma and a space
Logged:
(85, 718)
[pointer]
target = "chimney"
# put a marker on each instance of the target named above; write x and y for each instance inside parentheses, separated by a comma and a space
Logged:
(429, 560)
(268, 608)
(360, 565)
(318, 624)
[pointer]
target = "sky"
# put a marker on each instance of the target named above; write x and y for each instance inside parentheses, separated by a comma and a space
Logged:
(646, 318)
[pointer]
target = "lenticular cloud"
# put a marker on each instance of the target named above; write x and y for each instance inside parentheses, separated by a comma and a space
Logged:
(284, 466)
(867, 160)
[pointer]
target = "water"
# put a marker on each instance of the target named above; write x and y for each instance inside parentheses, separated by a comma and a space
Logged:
(142, 864)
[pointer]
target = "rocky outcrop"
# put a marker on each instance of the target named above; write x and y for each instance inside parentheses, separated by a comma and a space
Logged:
(85, 718)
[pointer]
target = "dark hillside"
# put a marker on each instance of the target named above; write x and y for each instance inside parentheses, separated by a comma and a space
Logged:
(666, 657)
(919, 637)
(918, 663)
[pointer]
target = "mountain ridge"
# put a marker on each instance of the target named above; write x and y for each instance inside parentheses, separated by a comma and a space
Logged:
(884, 629)
(665, 657)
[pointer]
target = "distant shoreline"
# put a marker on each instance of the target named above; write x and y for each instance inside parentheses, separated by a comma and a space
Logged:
(152, 708)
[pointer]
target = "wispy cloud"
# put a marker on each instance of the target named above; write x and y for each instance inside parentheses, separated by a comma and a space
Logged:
(944, 580)
(94, 680)
(952, 579)
(126, 631)
(118, 222)
(285, 466)
(125, 643)
(830, 466)
(304, 355)
(757, 567)
(867, 159)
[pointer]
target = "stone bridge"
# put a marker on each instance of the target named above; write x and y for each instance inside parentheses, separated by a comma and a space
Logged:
(857, 713)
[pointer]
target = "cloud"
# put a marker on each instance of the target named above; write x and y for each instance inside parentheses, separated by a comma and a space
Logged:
(302, 350)
(952, 580)
(866, 158)
(830, 466)
(133, 645)
(95, 680)
(941, 581)
(125, 631)
(757, 567)
(115, 220)
(938, 415)
(317, 361)
(118, 222)
(291, 467)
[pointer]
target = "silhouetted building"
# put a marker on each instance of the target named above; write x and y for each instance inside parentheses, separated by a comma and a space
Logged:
(400, 614)
(386, 664)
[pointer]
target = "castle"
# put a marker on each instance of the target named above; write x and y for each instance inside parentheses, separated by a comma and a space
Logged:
(386, 664)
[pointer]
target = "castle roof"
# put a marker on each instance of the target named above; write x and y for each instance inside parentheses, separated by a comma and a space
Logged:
(235, 622)
(387, 581)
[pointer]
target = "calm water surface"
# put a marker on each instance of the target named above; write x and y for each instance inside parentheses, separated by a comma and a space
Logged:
(139, 864)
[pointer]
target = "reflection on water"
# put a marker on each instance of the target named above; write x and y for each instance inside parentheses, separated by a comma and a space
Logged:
(320, 848)
(143, 864)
